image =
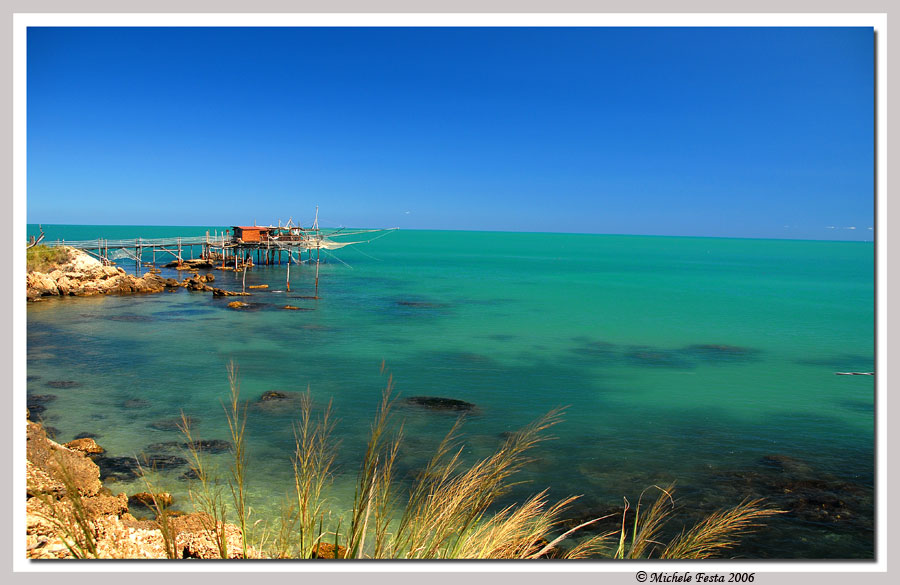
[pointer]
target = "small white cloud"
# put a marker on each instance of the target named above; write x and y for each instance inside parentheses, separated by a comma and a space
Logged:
(406, 212)
(850, 228)
(831, 227)
(871, 228)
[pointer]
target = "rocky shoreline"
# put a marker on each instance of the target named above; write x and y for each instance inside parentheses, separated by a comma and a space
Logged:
(66, 501)
(83, 275)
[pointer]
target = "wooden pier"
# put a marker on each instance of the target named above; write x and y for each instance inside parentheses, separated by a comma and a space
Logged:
(239, 247)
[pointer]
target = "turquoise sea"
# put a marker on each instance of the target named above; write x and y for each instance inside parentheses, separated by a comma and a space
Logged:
(709, 362)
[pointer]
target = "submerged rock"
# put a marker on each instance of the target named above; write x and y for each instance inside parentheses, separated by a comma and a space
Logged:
(658, 358)
(39, 400)
(420, 304)
(128, 468)
(129, 318)
(209, 445)
(63, 384)
(35, 409)
(719, 352)
(441, 404)
(237, 305)
(189, 475)
(270, 395)
(173, 424)
(136, 403)
(164, 446)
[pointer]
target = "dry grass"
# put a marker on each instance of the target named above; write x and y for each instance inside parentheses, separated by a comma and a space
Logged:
(236, 414)
(70, 517)
(712, 536)
(314, 456)
(206, 492)
(447, 512)
(160, 508)
(719, 531)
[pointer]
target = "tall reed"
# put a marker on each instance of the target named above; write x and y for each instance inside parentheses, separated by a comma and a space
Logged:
(160, 508)
(70, 516)
(206, 492)
(716, 533)
(236, 414)
(314, 456)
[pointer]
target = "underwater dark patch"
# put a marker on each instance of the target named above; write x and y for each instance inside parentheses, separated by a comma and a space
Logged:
(173, 424)
(601, 350)
(209, 445)
(40, 399)
(420, 304)
(128, 468)
(440, 404)
(712, 353)
(658, 358)
(63, 384)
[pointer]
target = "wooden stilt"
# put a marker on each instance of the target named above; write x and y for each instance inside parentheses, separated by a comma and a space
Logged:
(317, 272)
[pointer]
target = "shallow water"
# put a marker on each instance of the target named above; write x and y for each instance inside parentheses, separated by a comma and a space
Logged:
(688, 359)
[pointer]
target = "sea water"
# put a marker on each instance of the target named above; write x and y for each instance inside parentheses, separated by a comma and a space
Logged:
(707, 362)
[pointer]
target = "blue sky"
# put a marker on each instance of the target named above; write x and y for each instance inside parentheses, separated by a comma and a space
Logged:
(744, 132)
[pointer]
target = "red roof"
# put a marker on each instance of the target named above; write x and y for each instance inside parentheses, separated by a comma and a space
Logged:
(249, 227)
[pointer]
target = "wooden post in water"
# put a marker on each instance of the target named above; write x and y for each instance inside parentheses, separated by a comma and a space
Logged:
(317, 272)
(288, 281)
(244, 279)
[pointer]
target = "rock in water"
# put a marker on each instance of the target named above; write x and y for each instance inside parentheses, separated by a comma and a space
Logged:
(148, 500)
(88, 446)
(443, 404)
(272, 395)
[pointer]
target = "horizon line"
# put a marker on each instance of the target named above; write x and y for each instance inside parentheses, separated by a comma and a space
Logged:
(862, 241)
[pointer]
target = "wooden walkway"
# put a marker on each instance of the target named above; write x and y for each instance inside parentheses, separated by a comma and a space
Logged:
(220, 247)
